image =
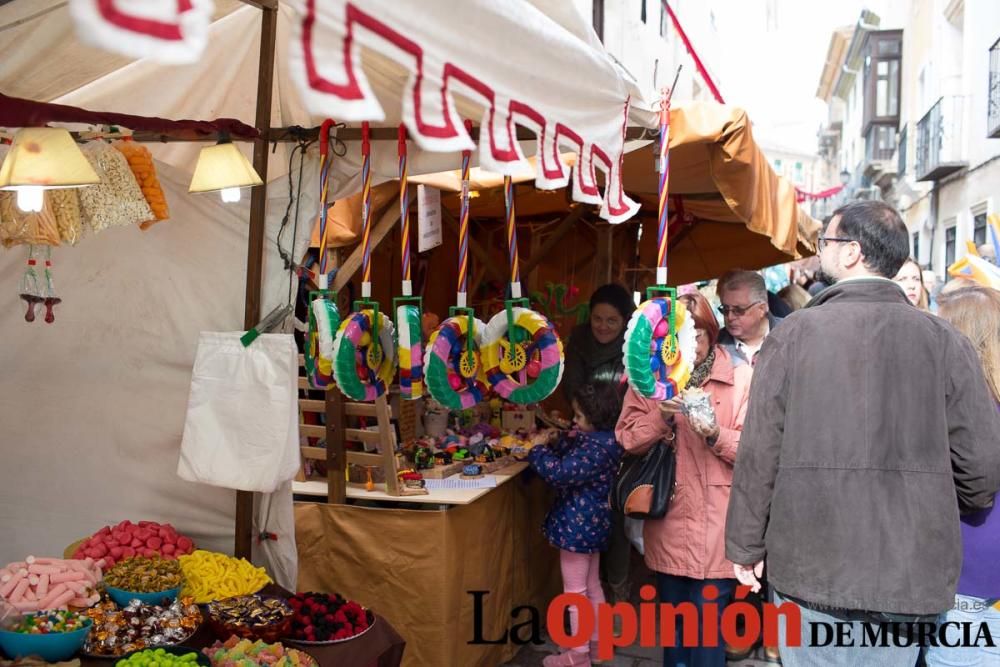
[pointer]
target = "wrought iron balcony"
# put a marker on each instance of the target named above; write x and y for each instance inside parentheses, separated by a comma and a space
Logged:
(940, 149)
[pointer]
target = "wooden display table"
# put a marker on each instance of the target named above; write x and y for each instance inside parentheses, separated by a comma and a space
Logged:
(416, 559)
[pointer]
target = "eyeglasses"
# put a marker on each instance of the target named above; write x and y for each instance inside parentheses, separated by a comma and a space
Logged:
(823, 240)
(738, 311)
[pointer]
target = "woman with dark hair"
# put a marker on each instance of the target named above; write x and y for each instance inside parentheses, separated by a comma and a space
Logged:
(686, 548)
(594, 351)
(594, 354)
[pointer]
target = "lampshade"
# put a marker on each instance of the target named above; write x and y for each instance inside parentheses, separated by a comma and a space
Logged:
(222, 167)
(45, 157)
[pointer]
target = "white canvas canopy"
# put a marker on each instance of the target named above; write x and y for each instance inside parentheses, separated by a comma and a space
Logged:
(93, 405)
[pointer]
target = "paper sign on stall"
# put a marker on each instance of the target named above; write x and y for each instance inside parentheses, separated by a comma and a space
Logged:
(428, 218)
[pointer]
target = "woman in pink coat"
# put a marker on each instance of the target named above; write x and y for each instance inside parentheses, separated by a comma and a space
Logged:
(686, 548)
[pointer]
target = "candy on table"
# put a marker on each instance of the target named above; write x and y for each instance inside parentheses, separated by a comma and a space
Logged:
(320, 617)
(37, 584)
(139, 626)
(144, 575)
(236, 652)
(213, 576)
(47, 623)
(249, 611)
(127, 539)
(158, 657)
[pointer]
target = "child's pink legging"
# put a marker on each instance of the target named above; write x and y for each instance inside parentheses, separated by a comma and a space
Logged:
(581, 574)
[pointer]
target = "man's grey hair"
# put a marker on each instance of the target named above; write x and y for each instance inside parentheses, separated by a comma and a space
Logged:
(738, 278)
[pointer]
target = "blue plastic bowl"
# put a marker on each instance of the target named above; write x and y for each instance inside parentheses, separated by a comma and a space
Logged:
(51, 648)
(122, 598)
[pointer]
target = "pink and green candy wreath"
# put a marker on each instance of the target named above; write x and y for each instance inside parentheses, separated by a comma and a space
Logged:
(363, 372)
(455, 377)
(656, 367)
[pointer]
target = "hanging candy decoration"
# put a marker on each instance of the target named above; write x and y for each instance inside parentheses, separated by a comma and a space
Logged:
(455, 375)
(364, 349)
(528, 371)
(324, 318)
(521, 348)
(409, 309)
(364, 359)
(660, 340)
(658, 363)
(35, 290)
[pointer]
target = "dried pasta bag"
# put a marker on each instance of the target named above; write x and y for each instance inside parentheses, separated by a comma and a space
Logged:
(117, 200)
(18, 227)
(66, 205)
(140, 161)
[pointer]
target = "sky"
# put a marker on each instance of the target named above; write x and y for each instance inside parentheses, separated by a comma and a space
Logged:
(773, 74)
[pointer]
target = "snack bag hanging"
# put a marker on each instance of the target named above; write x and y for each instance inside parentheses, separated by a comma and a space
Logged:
(140, 161)
(117, 200)
(18, 227)
(66, 205)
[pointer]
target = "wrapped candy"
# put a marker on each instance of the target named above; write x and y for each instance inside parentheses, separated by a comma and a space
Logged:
(696, 405)
(34, 289)
(139, 626)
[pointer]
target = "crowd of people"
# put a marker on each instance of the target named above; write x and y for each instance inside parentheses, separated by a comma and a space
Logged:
(850, 467)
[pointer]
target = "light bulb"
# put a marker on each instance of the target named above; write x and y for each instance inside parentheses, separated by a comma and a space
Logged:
(30, 198)
(230, 195)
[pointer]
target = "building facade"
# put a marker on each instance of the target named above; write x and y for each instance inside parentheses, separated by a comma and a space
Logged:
(639, 35)
(914, 119)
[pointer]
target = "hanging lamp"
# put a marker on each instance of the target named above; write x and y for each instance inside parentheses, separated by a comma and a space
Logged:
(43, 158)
(223, 168)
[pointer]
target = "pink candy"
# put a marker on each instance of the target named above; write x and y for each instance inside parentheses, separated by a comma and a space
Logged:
(147, 538)
(37, 584)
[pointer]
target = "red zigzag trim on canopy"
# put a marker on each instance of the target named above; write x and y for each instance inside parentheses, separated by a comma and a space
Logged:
(353, 100)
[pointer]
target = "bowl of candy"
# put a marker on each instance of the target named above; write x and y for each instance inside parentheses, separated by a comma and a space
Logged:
(51, 635)
(164, 656)
(151, 580)
(119, 631)
(243, 652)
(252, 617)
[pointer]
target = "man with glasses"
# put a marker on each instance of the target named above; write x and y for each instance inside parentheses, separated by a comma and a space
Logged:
(744, 309)
(870, 427)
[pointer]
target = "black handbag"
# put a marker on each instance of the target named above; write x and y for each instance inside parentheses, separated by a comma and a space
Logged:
(644, 484)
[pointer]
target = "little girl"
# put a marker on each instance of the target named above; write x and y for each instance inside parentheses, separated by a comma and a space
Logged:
(581, 466)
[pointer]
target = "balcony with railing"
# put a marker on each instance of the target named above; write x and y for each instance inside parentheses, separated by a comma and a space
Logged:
(880, 153)
(993, 115)
(940, 146)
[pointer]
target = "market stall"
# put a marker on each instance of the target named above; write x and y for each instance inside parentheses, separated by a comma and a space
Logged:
(137, 302)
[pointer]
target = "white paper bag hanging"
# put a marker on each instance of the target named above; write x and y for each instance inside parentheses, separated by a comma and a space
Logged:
(242, 426)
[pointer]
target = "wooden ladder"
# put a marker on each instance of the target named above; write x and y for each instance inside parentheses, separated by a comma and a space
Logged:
(338, 431)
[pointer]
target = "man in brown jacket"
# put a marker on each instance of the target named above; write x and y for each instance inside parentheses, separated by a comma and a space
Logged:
(870, 427)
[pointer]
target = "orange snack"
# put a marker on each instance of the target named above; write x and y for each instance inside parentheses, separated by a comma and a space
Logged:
(140, 161)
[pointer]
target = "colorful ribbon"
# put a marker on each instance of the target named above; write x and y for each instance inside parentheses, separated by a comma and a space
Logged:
(463, 229)
(366, 211)
(404, 212)
(664, 164)
(515, 270)
(324, 189)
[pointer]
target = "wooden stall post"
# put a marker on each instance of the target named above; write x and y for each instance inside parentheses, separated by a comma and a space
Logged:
(255, 246)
